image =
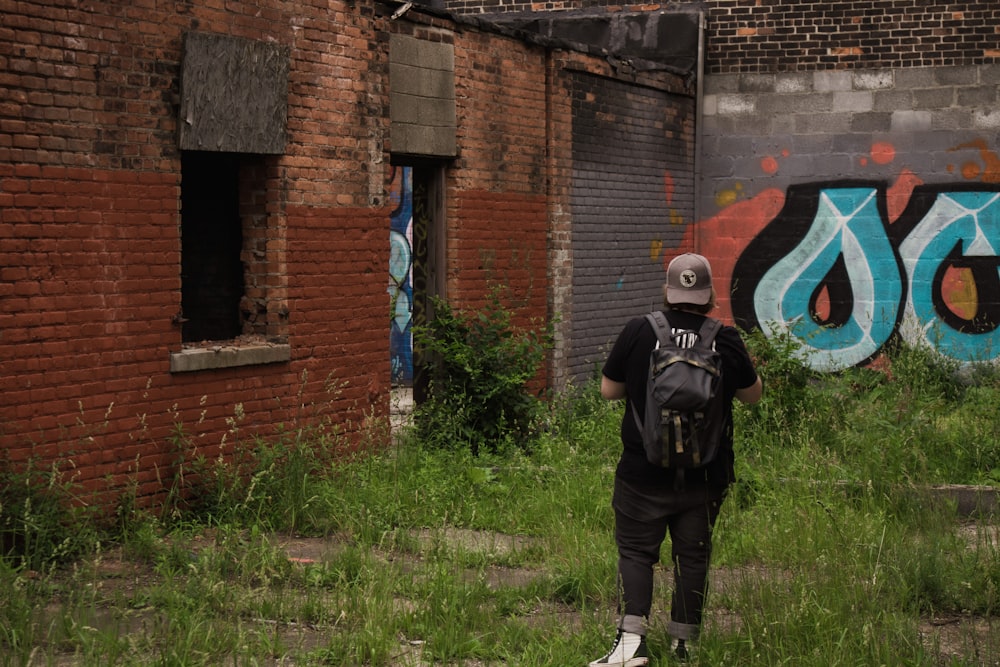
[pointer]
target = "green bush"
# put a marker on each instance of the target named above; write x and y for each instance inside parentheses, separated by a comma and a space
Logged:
(480, 366)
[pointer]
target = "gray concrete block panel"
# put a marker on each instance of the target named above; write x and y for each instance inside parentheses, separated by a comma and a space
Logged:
(811, 144)
(795, 103)
(822, 123)
(710, 105)
(986, 119)
(722, 83)
(793, 82)
(892, 100)
(832, 80)
(852, 144)
(421, 140)
(422, 111)
(956, 76)
(915, 77)
(416, 80)
(934, 98)
(756, 83)
(976, 96)
(874, 79)
(952, 119)
(989, 74)
(404, 49)
(856, 101)
(736, 105)
(871, 122)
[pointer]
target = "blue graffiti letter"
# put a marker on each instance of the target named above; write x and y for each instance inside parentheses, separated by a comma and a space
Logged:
(966, 218)
(847, 226)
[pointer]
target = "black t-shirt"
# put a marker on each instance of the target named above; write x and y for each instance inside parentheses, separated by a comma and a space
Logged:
(628, 362)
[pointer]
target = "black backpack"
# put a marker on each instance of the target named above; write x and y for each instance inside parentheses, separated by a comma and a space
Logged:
(685, 410)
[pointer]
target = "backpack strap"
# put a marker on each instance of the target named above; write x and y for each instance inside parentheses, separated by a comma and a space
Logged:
(710, 328)
(661, 327)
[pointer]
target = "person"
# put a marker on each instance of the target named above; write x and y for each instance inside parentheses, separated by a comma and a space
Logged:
(646, 501)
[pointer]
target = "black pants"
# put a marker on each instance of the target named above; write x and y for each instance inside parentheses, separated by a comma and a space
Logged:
(643, 515)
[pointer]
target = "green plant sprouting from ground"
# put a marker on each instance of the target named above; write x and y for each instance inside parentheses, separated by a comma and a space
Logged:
(831, 549)
(43, 520)
(480, 368)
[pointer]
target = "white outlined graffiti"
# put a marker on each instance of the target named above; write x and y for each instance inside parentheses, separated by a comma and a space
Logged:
(831, 271)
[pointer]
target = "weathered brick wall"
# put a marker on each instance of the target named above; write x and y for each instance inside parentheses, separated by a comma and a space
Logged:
(790, 36)
(90, 249)
(794, 36)
(496, 211)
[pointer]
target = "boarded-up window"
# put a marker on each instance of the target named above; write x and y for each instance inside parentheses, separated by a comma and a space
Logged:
(422, 97)
(234, 95)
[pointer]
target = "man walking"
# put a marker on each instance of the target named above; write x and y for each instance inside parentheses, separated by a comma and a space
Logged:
(647, 501)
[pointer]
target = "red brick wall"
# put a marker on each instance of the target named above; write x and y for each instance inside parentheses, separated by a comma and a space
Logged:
(496, 203)
(90, 226)
(496, 188)
(755, 36)
(745, 36)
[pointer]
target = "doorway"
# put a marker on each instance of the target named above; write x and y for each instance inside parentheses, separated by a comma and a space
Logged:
(416, 260)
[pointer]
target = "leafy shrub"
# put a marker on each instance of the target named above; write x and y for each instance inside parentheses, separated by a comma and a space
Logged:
(779, 361)
(480, 366)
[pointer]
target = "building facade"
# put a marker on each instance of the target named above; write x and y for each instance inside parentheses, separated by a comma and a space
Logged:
(218, 221)
(847, 170)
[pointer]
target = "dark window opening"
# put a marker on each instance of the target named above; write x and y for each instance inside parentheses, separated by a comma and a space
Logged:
(212, 273)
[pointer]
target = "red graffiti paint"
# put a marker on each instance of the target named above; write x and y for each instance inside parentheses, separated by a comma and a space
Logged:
(769, 165)
(723, 238)
(822, 307)
(883, 152)
(668, 187)
(990, 173)
(898, 194)
(958, 291)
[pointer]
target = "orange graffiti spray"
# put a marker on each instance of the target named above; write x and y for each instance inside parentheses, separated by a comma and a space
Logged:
(723, 238)
(883, 152)
(668, 187)
(958, 290)
(991, 173)
(899, 193)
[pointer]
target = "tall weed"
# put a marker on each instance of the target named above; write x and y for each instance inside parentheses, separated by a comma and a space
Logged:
(43, 519)
(829, 551)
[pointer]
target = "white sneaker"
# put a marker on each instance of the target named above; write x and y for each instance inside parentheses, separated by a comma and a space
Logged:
(629, 651)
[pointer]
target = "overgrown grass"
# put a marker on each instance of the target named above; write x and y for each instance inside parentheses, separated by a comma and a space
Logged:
(830, 550)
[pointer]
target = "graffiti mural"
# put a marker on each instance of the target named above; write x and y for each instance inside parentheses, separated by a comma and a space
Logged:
(401, 275)
(848, 266)
(833, 271)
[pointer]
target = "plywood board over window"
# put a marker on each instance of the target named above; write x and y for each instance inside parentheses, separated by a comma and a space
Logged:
(234, 95)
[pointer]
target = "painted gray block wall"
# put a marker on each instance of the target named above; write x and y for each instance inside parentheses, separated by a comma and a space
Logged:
(632, 184)
(764, 131)
(919, 262)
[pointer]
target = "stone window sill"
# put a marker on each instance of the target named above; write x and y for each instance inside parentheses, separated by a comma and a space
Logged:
(227, 355)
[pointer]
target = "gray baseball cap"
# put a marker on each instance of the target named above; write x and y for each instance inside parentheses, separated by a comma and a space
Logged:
(689, 280)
